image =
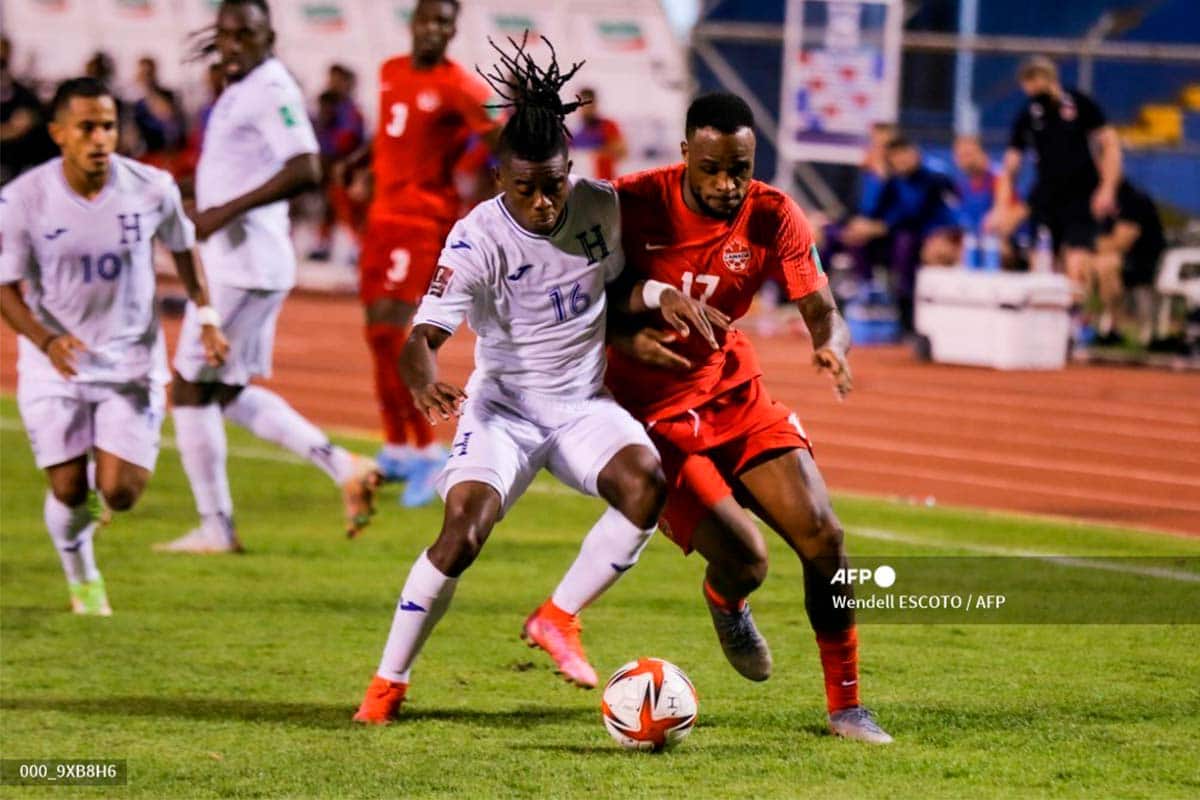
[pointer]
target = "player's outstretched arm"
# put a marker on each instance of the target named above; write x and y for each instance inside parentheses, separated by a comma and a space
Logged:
(418, 368)
(191, 275)
(60, 347)
(830, 336)
(300, 173)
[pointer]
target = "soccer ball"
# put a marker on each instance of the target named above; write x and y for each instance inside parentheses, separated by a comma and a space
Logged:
(649, 704)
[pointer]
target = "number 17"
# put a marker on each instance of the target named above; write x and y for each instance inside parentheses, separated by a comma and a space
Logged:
(709, 282)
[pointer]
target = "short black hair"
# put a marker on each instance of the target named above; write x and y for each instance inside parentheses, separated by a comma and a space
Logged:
(77, 87)
(900, 142)
(535, 131)
(724, 111)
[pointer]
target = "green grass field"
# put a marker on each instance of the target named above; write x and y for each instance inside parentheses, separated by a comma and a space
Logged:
(237, 676)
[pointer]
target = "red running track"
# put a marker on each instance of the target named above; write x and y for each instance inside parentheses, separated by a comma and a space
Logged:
(1106, 444)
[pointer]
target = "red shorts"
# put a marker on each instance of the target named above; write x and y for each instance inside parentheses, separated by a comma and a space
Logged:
(399, 257)
(705, 449)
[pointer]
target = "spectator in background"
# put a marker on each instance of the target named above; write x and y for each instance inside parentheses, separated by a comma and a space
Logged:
(873, 172)
(600, 138)
(914, 213)
(24, 141)
(1127, 255)
(975, 182)
(346, 117)
(159, 119)
(1075, 190)
(102, 67)
(340, 133)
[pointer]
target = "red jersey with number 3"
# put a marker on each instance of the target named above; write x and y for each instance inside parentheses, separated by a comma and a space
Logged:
(427, 118)
(723, 261)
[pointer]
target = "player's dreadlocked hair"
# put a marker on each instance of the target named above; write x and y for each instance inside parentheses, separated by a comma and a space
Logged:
(535, 131)
(202, 43)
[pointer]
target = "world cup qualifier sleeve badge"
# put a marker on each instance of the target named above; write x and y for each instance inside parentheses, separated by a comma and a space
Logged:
(736, 255)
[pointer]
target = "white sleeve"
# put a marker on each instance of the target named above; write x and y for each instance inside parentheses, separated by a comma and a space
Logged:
(14, 239)
(175, 231)
(460, 275)
(284, 123)
(614, 265)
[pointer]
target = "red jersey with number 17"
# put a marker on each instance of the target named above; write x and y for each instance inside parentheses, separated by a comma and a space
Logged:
(427, 118)
(723, 261)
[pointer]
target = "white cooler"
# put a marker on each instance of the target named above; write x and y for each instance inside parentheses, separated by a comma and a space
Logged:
(1006, 320)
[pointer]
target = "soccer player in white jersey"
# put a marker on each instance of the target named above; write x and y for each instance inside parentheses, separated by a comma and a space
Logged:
(259, 149)
(528, 269)
(92, 366)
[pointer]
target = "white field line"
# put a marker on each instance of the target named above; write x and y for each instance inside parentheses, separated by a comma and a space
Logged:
(279, 457)
(1064, 561)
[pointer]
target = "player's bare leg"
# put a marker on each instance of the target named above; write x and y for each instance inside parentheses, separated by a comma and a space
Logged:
(119, 482)
(633, 484)
(410, 453)
(788, 492)
(731, 543)
(472, 509)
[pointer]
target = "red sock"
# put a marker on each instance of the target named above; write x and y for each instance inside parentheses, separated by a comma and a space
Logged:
(839, 661)
(718, 600)
(418, 431)
(388, 387)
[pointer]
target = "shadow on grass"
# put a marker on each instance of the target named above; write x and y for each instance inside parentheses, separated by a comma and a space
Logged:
(308, 715)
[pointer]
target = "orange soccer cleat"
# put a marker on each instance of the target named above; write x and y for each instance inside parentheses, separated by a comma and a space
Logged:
(382, 703)
(557, 632)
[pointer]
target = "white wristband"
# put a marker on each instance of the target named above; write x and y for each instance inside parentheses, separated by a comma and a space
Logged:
(207, 315)
(652, 292)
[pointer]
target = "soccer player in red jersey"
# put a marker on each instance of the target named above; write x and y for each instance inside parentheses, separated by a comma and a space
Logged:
(707, 227)
(430, 111)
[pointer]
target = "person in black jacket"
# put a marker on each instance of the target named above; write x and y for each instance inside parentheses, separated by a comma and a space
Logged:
(1075, 190)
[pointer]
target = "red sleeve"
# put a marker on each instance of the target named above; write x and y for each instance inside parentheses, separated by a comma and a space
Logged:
(798, 258)
(473, 98)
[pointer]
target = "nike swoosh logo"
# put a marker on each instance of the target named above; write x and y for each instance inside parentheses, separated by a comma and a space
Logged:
(409, 605)
(849, 683)
(52, 236)
(656, 246)
(459, 245)
(516, 276)
(619, 568)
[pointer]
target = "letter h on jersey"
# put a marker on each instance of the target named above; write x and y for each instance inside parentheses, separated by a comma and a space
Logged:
(594, 246)
(130, 227)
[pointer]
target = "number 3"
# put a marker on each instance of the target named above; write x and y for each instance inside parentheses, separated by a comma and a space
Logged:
(399, 120)
(401, 258)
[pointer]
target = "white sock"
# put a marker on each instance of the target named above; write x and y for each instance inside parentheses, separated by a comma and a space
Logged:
(200, 436)
(268, 416)
(611, 547)
(423, 601)
(71, 531)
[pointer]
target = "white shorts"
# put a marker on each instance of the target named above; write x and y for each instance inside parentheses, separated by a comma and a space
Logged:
(497, 444)
(248, 318)
(65, 420)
